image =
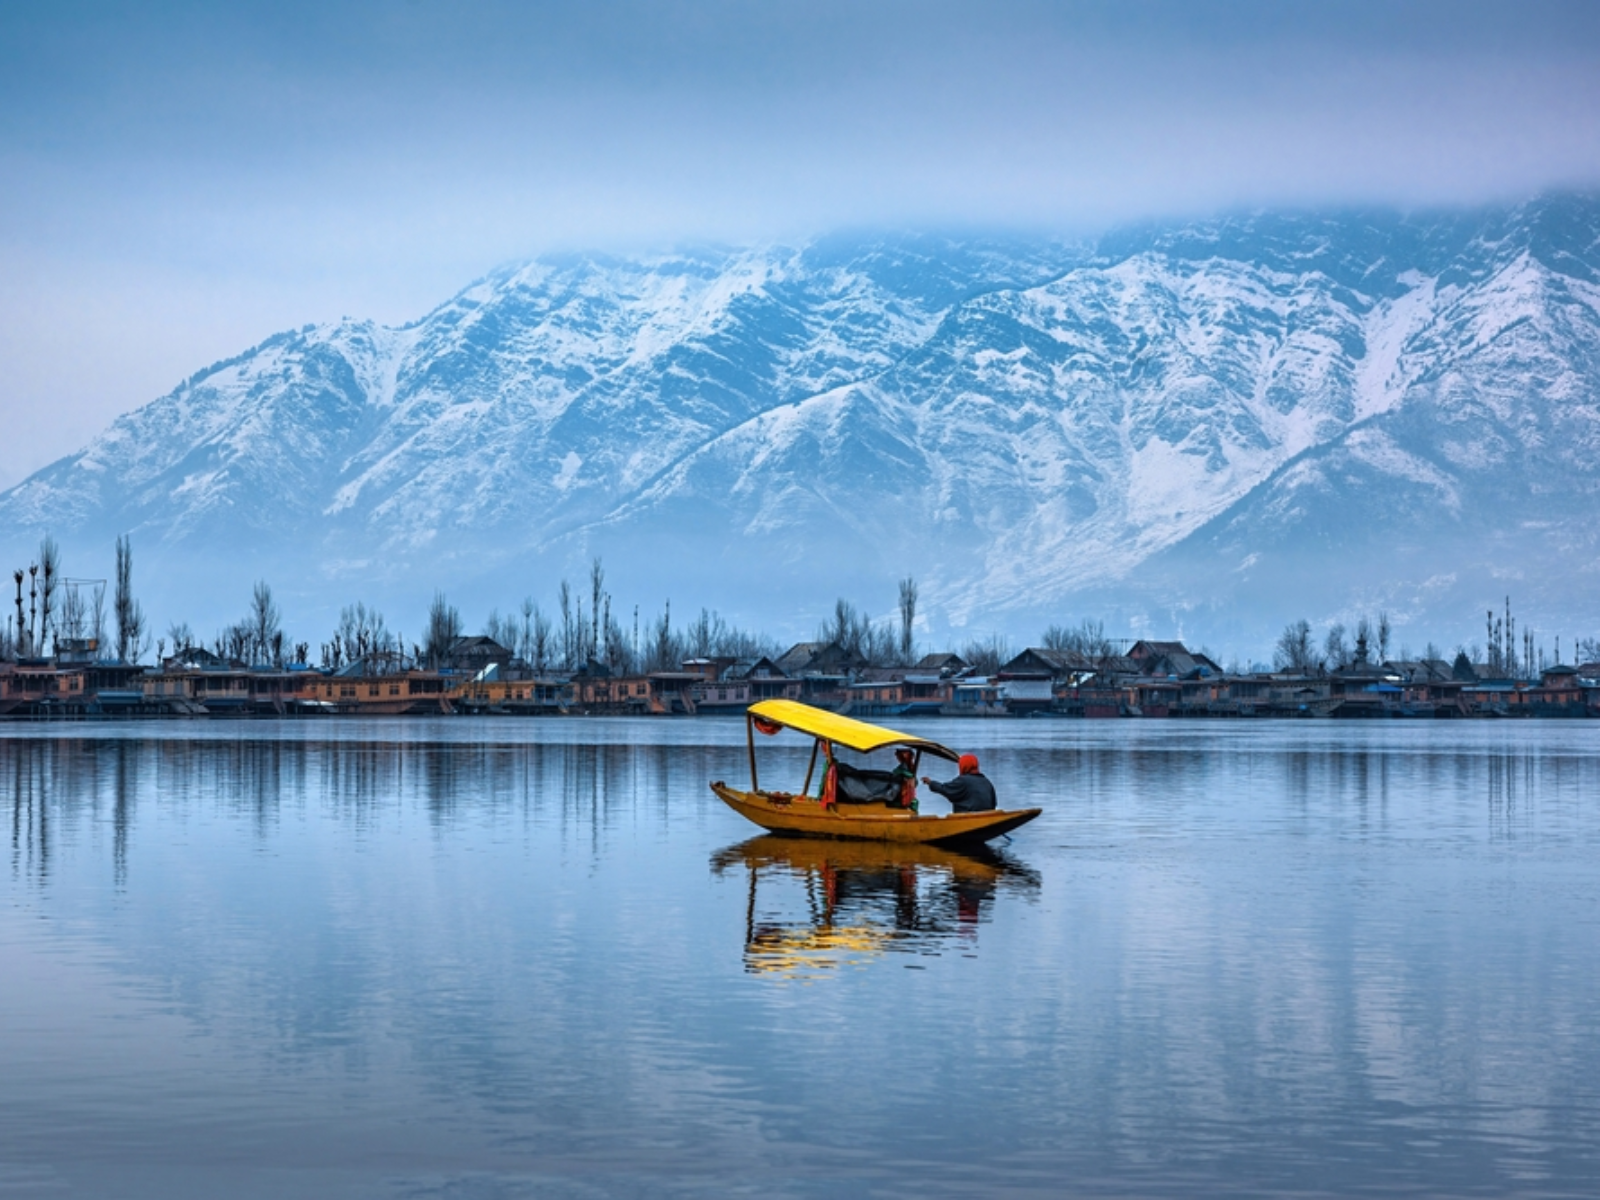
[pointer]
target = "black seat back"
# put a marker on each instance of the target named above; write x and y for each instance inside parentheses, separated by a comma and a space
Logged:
(860, 786)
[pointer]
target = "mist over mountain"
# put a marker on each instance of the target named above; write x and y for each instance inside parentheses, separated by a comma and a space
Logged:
(1204, 429)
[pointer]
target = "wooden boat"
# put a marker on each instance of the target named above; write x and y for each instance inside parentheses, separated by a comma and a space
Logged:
(835, 814)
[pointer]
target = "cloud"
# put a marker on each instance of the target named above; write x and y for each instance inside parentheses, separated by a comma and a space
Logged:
(271, 164)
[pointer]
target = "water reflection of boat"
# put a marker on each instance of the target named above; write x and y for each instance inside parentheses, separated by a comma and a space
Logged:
(854, 803)
(864, 899)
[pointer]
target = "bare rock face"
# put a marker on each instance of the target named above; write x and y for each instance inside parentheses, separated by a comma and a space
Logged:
(1215, 427)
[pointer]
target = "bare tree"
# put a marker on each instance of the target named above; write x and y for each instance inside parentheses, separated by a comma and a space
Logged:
(569, 633)
(50, 568)
(20, 638)
(444, 628)
(266, 638)
(97, 616)
(180, 635)
(536, 636)
(850, 628)
(83, 612)
(362, 631)
(525, 634)
(618, 653)
(73, 617)
(234, 642)
(1294, 651)
(597, 579)
(880, 643)
(663, 646)
(705, 636)
(126, 611)
(985, 655)
(1088, 638)
(1334, 650)
(1384, 634)
(501, 630)
(908, 617)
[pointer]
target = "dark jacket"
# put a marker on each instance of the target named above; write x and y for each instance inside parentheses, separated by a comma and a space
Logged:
(967, 793)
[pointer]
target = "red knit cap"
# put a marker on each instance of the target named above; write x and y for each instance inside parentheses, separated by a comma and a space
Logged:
(968, 764)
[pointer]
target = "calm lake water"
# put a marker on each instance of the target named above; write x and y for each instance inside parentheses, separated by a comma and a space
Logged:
(505, 958)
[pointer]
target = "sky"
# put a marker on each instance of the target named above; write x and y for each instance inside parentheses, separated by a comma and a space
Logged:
(178, 181)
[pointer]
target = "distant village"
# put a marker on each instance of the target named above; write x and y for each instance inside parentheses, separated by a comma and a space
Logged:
(581, 661)
(479, 675)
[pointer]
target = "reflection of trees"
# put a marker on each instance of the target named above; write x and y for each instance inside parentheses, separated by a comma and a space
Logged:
(30, 814)
(52, 779)
(1514, 778)
(1354, 783)
(355, 777)
(124, 780)
(1357, 781)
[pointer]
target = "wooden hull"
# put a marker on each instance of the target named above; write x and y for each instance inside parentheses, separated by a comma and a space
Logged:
(974, 861)
(806, 817)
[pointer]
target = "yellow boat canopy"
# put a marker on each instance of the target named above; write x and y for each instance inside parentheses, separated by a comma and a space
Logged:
(845, 731)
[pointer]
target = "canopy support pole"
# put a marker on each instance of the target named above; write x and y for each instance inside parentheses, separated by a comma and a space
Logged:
(750, 736)
(811, 766)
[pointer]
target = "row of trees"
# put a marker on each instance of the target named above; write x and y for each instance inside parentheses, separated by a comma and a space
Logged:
(1507, 653)
(60, 608)
(583, 627)
(1297, 649)
(1504, 653)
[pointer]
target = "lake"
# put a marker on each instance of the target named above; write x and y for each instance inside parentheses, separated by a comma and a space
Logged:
(484, 958)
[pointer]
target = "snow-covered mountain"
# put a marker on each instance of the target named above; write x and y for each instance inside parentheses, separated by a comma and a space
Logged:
(1211, 428)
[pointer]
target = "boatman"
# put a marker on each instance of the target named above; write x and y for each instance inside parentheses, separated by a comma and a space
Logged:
(968, 791)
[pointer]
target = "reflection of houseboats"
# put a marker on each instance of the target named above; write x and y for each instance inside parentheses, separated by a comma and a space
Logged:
(853, 802)
(863, 899)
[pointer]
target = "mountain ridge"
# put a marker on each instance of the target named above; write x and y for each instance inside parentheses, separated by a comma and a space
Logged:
(1036, 428)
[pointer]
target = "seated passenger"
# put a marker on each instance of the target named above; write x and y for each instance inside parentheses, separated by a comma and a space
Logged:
(907, 777)
(828, 785)
(969, 791)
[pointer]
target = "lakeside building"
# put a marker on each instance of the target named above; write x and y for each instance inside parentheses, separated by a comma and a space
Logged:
(743, 682)
(1151, 680)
